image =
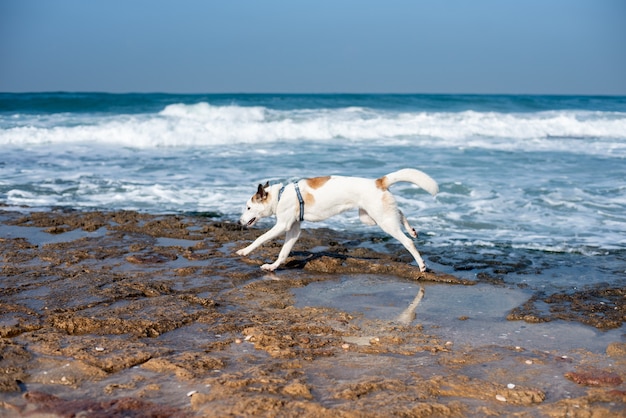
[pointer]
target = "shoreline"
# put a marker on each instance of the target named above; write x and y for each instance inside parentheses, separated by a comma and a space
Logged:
(125, 311)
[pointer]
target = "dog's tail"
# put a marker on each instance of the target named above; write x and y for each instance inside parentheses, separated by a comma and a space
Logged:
(410, 175)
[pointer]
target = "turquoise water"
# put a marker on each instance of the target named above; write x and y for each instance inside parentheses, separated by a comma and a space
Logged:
(543, 173)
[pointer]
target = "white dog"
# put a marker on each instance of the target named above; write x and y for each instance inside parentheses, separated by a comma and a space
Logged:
(319, 198)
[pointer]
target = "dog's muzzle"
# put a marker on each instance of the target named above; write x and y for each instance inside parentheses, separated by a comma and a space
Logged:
(249, 223)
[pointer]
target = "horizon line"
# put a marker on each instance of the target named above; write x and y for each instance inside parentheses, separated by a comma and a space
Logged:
(304, 93)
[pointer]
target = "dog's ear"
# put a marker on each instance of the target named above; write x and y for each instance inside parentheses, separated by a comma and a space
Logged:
(260, 192)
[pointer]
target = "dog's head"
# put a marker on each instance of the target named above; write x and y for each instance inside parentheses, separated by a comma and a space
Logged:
(257, 207)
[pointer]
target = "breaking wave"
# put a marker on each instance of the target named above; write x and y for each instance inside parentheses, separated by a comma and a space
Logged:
(207, 125)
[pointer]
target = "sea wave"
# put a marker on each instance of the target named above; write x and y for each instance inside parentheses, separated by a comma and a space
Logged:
(207, 125)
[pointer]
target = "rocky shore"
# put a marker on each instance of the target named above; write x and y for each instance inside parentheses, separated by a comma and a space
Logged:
(137, 315)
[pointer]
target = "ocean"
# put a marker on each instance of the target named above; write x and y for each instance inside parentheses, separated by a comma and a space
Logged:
(544, 174)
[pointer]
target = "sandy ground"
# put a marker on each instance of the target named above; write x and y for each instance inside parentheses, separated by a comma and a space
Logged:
(134, 315)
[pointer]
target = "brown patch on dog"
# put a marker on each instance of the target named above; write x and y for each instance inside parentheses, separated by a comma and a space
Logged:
(382, 184)
(317, 182)
(308, 199)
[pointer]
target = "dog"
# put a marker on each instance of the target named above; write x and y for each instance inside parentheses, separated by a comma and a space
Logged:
(319, 198)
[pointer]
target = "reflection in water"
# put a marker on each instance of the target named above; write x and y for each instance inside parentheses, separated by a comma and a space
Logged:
(408, 315)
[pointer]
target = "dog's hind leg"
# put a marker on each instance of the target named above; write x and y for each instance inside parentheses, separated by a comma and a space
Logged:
(392, 227)
(412, 232)
(290, 239)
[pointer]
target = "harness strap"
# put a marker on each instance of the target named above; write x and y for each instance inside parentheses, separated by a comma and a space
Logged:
(295, 185)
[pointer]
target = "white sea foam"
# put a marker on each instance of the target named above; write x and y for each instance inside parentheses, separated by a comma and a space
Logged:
(205, 125)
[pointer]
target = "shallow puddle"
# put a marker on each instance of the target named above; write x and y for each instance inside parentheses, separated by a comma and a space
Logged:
(38, 236)
(465, 315)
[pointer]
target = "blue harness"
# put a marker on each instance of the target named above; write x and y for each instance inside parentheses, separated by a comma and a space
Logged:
(295, 185)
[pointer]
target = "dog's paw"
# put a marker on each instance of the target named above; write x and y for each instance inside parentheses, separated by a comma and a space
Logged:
(413, 233)
(242, 252)
(268, 267)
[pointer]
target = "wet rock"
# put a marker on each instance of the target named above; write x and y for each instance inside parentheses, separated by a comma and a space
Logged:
(616, 350)
(347, 264)
(150, 258)
(16, 320)
(119, 354)
(595, 377)
(362, 389)
(13, 360)
(602, 307)
(464, 386)
(42, 404)
(185, 366)
(597, 403)
(72, 373)
(298, 390)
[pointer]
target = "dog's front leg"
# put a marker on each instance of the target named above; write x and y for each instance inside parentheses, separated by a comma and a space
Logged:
(290, 239)
(269, 235)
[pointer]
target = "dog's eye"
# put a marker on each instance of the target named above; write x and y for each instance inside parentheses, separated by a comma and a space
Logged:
(248, 208)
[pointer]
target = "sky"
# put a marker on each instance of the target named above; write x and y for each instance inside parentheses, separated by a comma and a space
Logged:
(321, 46)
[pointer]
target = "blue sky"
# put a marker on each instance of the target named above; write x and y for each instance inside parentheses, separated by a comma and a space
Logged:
(336, 46)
